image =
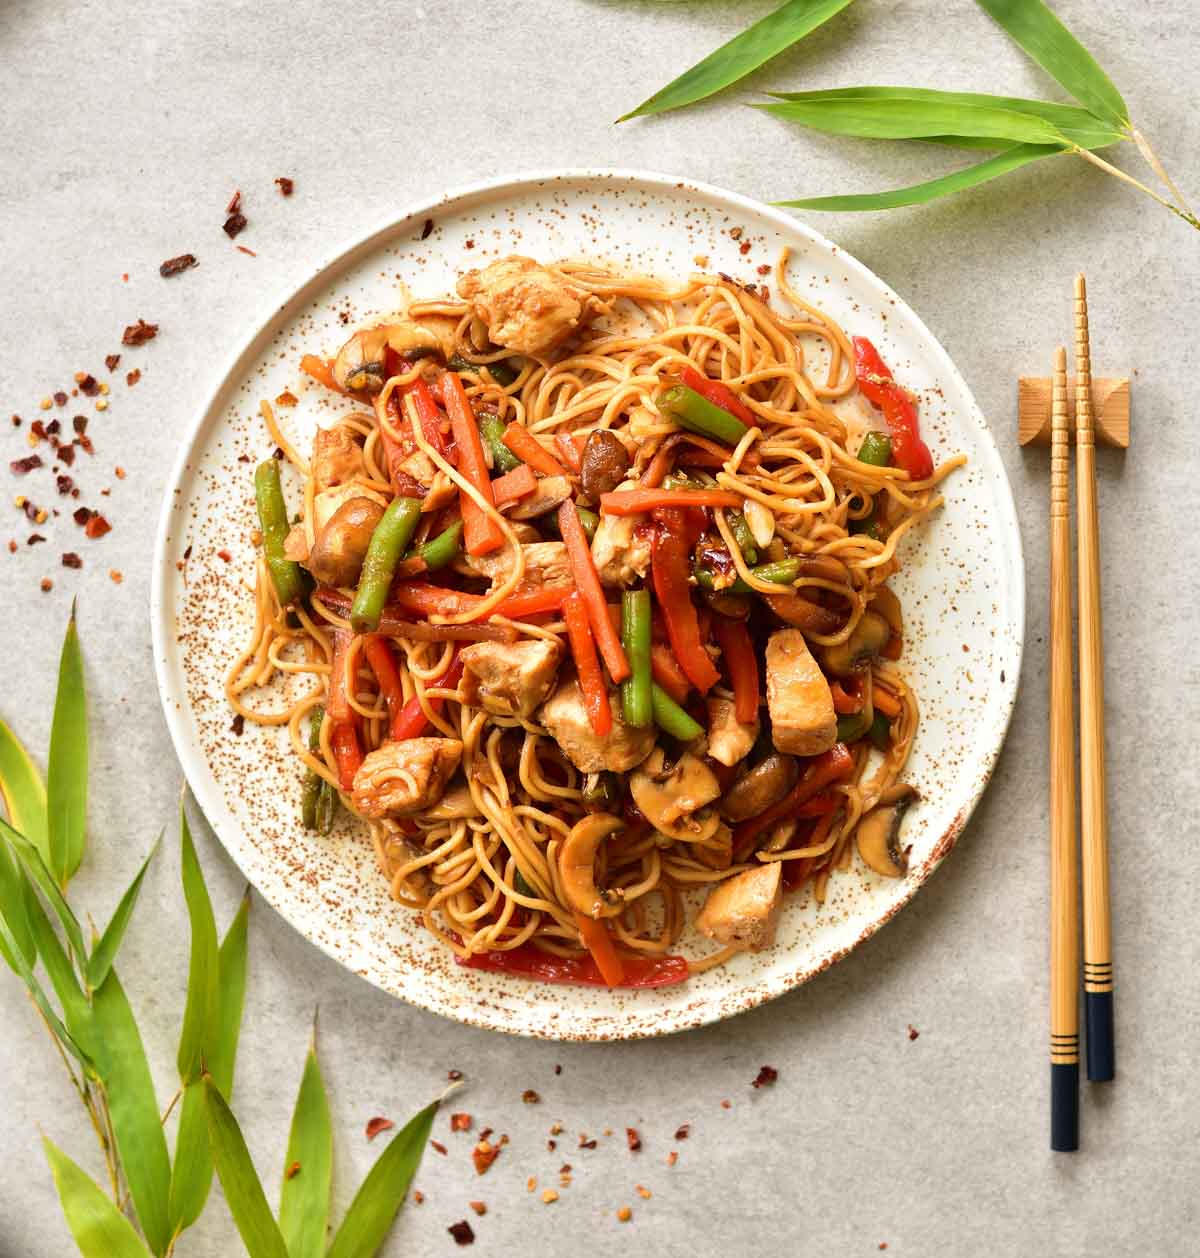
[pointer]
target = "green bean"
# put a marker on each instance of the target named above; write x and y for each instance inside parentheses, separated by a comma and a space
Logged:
(601, 792)
(876, 449)
(743, 536)
(689, 410)
(286, 574)
(491, 429)
(443, 549)
(782, 572)
(671, 718)
(880, 732)
(388, 542)
(852, 727)
(635, 638)
(522, 886)
(318, 799)
(502, 372)
(589, 519)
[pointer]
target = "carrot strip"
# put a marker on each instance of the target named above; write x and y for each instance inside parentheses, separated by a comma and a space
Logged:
(428, 415)
(665, 670)
(587, 664)
(893, 648)
(571, 451)
(886, 702)
(599, 943)
(481, 534)
(530, 450)
(321, 370)
(845, 702)
(670, 570)
(430, 600)
(639, 501)
(519, 483)
(343, 737)
(411, 721)
(588, 583)
(379, 655)
(738, 651)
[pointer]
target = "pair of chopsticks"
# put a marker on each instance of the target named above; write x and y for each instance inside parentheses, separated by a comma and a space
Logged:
(1067, 857)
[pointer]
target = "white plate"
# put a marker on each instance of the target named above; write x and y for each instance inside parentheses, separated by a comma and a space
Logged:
(962, 589)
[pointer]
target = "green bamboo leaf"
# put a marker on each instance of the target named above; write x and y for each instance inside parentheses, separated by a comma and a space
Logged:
(129, 1089)
(105, 952)
(23, 790)
(76, 1010)
(1061, 55)
(243, 1189)
(378, 1200)
(191, 1175)
(66, 776)
(39, 874)
(308, 1167)
(917, 194)
(199, 1017)
(13, 885)
(1071, 122)
(745, 52)
(99, 1228)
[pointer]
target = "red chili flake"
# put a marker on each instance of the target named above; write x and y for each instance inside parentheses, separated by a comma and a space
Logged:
(124, 277)
(115, 576)
(912, 1032)
(235, 223)
(744, 247)
(33, 539)
(82, 516)
(462, 1233)
(883, 1244)
(558, 1070)
(530, 1097)
(292, 1171)
(438, 1147)
(16, 421)
(248, 252)
(60, 398)
(765, 269)
(633, 1139)
(71, 560)
(47, 585)
(470, 244)
(38, 429)
(460, 1122)
(66, 454)
(426, 229)
(765, 1077)
(483, 1155)
(286, 186)
(277, 453)
(53, 428)
(139, 333)
(225, 555)
(80, 423)
(12, 545)
(238, 724)
(485, 1134)
(683, 1131)
(65, 484)
(585, 1143)
(376, 1125)
(89, 385)
(479, 1207)
(235, 202)
(22, 467)
(551, 1145)
(85, 443)
(418, 1197)
(97, 526)
(32, 511)
(172, 266)
(132, 377)
(111, 361)
(286, 398)
(245, 458)
(187, 554)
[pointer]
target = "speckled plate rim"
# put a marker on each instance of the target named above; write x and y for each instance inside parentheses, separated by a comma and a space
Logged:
(761, 988)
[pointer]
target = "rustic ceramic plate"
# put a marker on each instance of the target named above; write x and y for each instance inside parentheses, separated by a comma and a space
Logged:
(962, 589)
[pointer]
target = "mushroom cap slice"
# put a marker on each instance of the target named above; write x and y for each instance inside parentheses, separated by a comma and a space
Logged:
(878, 833)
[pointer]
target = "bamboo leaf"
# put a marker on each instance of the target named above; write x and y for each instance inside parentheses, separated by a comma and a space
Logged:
(243, 1189)
(13, 889)
(917, 194)
(378, 1200)
(105, 952)
(129, 1089)
(1071, 122)
(308, 1168)
(23, 790)
(199, 1017)
(191, 1175)
(66, 776)
(745, 52)
(1061, 55)
(99, 1228)
(74, 1004)
(39, 874)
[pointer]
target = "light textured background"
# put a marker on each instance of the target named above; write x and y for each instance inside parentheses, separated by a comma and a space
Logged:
(126, 128)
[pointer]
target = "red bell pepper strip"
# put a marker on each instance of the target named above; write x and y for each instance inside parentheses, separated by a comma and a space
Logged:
(718, 394)
(343, 735)
(378, 651)
(530, 450)
(514, 485)
(571, 452)
(834, 765)
(411, 721)
(893, 648)
(639, 501)
(665, 670)
(899, 410)
(734, 640)
(531, 962)
(846, 702)
(588, 583)
(481, 534)
(599, 943)
(429, 416)
(670, 569)
(587, 664)
(886, 702)
(321, 370)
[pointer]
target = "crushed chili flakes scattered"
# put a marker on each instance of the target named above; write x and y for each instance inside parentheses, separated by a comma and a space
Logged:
(66, 455)
(530, 1097)
(765, 269)
(235, 223)
(883, 1244)
(225, 555)
(438, 1147)
(119, 472)
(132, 377)
(744, 247)
(292, 1171)
(53, 428)
(376, 1125)
(460, 1122)
(585, 1143)
(470, 244)
(12, 545)
(238, 724)
(550, 1144)
(101, 404)
(37, 432)
(115, 576)
(249, 252)
(235, 202)
(47, 585)
(765, 1077)
(735, 233)
(16, 421)
(90, 386)
(426, 229)
(84, 442)
(65, 485)
(485, 1134)
(139, 333)
(45, 404)
(632, 1139)
(483, 1155)
(644, 1193)
(286, 186)
(727, 1105)
(60, 398)
(172, 266)
(558, 1069)
(549, 1196)
(418, 1197)
(97, 526)
(531, 1184)
(112, 361)
(33, 539)
(479, 1207)
(556, 1129)
(624, 1214)
(683, 1131)
(672, 1157)
(286, 398)
(912, 1032)
(22, 467)
(462, 1233)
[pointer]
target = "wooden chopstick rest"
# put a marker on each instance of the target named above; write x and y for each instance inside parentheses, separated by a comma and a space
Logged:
(1110, 410)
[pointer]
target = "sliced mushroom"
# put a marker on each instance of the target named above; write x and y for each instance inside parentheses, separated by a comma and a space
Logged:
(360, 364)
(550, 492)
(605, 462)
(341, 546)
(878, 832)
(868, 639)
(673, 799)
(795, 609)
(577, 866)
(754, 792)
(457, 804)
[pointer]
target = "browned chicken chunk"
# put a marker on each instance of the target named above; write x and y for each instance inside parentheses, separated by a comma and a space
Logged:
(803, 721)
(620, 551)
(336, 458)
(729, 740)
(566, 719)
(744, 909)
(401, 778)
(528, 308)
(510, 679)
(546, 563)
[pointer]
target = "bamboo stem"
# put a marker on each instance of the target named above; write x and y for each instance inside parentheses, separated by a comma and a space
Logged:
(1118, 173)
(1155, 164)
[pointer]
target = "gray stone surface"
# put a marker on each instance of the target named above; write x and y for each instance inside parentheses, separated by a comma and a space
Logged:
(126, 129)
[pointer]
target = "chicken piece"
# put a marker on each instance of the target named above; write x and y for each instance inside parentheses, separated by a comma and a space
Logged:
(566, 719)
(528, 308)
(744, 909)
(336, 458)
(620, 551)
(728, 739)
(328, 501)
(546, 563)
(398, 779)
(494, 562)
(510, 679)
(803, 721)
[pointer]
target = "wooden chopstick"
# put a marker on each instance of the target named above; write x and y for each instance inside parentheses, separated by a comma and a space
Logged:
(1093, 827)
(1064, 858)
